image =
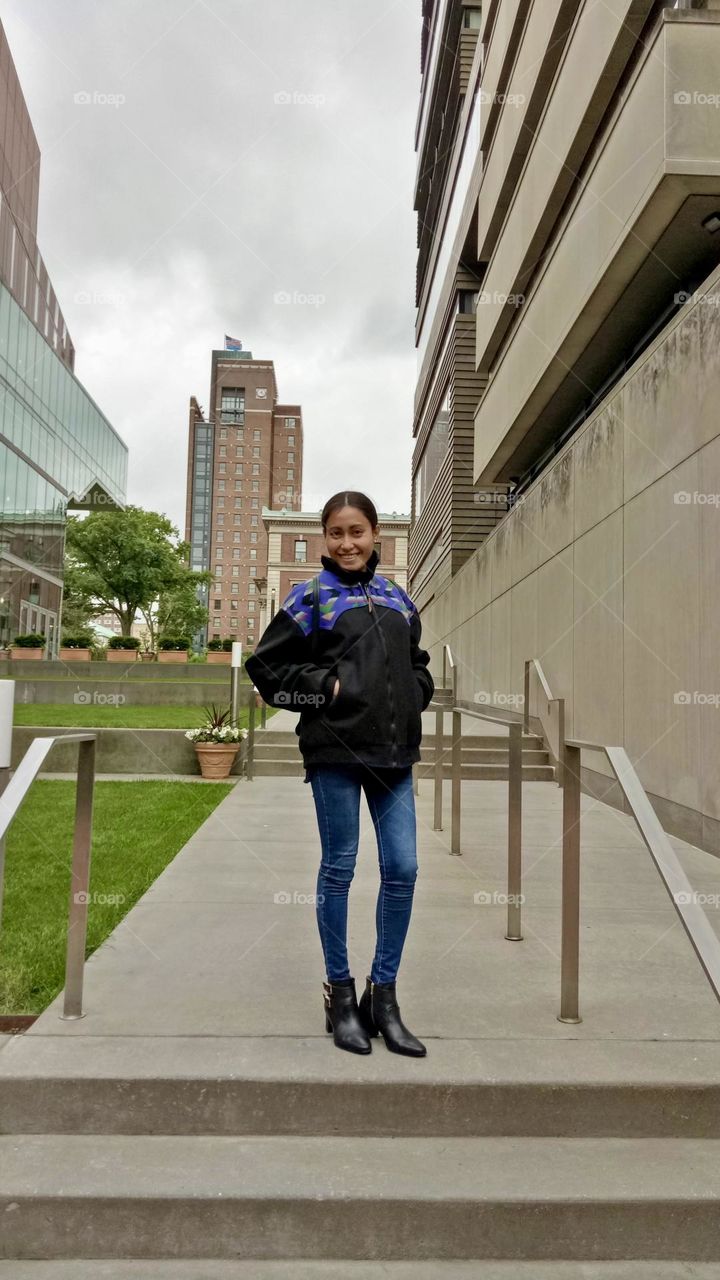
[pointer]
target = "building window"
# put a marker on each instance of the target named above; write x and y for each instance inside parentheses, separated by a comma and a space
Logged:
(251, 588)
(233, 622)
(218, 570)
(256, 451)
(291, 457)
(233, 605)
(290, 422)
(236, 553)
(221, 519)
(256, 469)
(236, 537)
(472, 17)
(220, 536)
(234, 587)
(300, 550)
(256, 433)
(253, 504)
(253, 537)
(291, 442)
(433, 455)
(218, 604)
(256, 486)
(251, 606)
(218, 553)
(253, 570)
(236, 571)
(223, 451)
(240, 451)
(253, 520)
(238, 503)
(290, 473)
(216, 622)
(251, 622)
(221, 486)
(232, 407)
(221, 469)
(253, 555)
(223, 433)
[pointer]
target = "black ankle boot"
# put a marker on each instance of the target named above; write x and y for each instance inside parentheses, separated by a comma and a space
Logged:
(379, 1012)
(342, 1018)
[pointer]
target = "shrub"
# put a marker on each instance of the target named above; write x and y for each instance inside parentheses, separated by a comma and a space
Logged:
(123, 642)
(31, 640)
(227, 644)
(83, 640)
(215, 645)
(174, 642)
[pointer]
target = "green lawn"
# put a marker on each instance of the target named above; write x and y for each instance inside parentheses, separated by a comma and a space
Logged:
(127, 716)
(138, 827)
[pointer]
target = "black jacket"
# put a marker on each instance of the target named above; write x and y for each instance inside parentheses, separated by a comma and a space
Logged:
(369, 638)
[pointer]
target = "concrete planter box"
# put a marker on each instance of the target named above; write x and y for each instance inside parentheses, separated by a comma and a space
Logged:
(121, 655)
(148, 657)
(27, 655)
(74, 655)
(218, 658)
(172, 655)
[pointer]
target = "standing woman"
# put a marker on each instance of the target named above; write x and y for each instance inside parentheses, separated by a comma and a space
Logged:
(360, 701)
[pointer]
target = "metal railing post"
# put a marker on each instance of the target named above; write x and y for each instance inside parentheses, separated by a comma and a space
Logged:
(7, 712)
(456, 766)
(514, 876)
(235, 668)
(79, 883)
(570, 945)
(250, 753)
(439, 753)
(416, 782)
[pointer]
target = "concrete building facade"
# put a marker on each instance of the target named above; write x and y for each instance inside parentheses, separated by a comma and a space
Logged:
(578, 195)
(244, 456)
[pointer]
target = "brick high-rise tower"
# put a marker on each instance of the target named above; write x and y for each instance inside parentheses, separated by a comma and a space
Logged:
(245, 454)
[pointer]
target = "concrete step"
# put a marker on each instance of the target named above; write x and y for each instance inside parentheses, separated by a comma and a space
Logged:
(489, 741)
(227, 1085)
(351, 1269)
(103, 1196)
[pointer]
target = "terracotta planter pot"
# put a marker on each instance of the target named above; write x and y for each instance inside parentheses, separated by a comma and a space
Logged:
(172, 655)
(121, 655)
(216, 758)
(25, 655)
(218, 658)
(75, 655)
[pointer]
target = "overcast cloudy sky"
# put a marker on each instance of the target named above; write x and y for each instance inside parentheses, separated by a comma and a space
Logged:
(231, 151)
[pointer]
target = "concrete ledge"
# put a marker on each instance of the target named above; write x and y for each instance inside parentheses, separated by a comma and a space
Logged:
(137, 751)
(292, 1085)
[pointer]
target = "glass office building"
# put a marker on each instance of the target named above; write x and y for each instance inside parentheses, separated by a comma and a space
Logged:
(57, 452)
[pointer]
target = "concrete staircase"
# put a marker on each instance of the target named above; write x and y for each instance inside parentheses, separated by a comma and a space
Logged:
(484, 757)
(282, 1157)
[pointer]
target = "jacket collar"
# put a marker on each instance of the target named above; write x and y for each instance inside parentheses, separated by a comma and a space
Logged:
(351, 575)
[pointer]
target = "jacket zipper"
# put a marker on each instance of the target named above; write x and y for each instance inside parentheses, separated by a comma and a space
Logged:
(391, 700)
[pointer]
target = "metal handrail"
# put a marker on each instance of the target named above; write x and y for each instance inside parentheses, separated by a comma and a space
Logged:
(693, 918)
(515, 731)
(10, 801)
(550, 732)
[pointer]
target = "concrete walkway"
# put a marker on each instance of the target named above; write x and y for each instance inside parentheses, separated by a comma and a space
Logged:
(225, 943)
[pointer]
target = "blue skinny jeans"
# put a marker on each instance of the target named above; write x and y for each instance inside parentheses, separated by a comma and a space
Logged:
(391, 801)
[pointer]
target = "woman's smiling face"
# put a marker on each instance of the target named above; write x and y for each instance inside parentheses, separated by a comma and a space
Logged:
(349, 537)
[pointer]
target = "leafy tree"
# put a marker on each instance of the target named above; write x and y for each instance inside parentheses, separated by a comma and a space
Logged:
(124, 562)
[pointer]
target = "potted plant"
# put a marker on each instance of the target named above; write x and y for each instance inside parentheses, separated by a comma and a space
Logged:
(31, 645)
(122, 649)
(173, 649)
(218, 654)
(216, 743)
(76, 648)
